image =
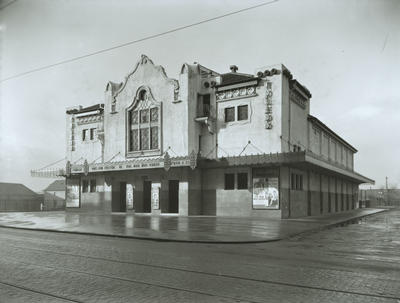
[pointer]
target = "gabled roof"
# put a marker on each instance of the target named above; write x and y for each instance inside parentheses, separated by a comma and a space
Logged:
(10, 189)
(331, 132)
(58, 185)
(233, 78)
(99, 106)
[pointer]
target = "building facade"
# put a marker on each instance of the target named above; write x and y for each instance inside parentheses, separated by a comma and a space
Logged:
(54, 196)
(207, 143)
(16, 197)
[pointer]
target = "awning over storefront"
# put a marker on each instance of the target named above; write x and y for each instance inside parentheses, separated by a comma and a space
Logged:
(302, 159)
(165, 162)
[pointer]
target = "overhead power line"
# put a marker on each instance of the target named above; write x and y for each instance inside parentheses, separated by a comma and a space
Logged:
(136, 41)
(7, 4)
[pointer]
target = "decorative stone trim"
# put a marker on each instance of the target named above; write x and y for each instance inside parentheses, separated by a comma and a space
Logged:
(89, 119)
(236, 93)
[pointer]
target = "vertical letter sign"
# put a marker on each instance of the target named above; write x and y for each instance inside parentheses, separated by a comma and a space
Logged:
(155, 195)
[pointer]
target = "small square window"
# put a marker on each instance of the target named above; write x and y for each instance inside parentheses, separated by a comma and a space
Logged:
(243, 112)
(229, 181)
(84, 134)
(229, 114)
(85, 186)
(92, 133)
(242, 181)
(93, 185)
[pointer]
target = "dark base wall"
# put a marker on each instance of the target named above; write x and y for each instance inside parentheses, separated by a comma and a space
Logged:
(321, 194)
(201, 192)
(108, 191)
(233, 202)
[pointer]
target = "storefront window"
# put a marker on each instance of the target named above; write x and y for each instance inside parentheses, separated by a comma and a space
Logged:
(265, 188)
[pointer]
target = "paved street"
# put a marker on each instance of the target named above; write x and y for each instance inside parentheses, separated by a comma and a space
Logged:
(354, 263)
(202, 229)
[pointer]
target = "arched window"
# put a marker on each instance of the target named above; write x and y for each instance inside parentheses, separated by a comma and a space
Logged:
(144, 125)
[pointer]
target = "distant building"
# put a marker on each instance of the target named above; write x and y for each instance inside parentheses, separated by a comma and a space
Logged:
(54, 196)
(18, 197)
(209, 143)
(379, 197)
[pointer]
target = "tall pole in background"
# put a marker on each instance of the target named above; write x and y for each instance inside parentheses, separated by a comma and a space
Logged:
(386, 193)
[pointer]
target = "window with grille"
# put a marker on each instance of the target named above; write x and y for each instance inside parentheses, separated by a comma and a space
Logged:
(296, 181)
(144, 125)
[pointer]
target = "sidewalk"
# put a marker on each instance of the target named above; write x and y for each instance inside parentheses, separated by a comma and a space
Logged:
(198, 229)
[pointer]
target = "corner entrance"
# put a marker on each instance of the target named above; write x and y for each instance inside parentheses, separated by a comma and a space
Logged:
(147, 196)
(173, 196)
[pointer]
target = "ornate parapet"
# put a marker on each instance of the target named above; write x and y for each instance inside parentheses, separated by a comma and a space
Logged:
(236, 93)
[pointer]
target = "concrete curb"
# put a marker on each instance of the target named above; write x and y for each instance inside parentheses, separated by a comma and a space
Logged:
(159, 239)
(343, 222)
(156, 239)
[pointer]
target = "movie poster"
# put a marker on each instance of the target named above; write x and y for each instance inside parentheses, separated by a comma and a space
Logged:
(129, 196)
(266, 193)
(73, 193)
(155, 195)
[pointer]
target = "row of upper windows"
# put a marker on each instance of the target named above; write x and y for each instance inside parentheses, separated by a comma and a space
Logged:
(88, 134)
(239, 113)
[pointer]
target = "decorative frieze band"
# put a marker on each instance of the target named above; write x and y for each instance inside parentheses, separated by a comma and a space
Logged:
(236, 93)
(89, 119)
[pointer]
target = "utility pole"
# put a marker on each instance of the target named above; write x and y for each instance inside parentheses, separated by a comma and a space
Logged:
(386, 193)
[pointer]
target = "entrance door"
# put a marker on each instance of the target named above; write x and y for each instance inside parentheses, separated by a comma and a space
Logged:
(122, 196)
(147, 196)
(173, 196)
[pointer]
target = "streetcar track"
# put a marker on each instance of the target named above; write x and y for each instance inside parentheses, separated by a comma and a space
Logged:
(195, 272)
(39, 292)
(131, 281)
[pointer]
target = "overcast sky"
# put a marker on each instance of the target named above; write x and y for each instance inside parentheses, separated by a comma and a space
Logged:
(345, 52)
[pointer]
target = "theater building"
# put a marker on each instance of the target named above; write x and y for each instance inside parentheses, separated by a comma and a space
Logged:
(207, 143)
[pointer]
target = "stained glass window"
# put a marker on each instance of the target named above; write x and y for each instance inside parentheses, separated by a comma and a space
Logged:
(144, 116)
(154, 114)
(134, 140)
(144, 125)
(144, 139)
(154, 137)
(134, 117)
